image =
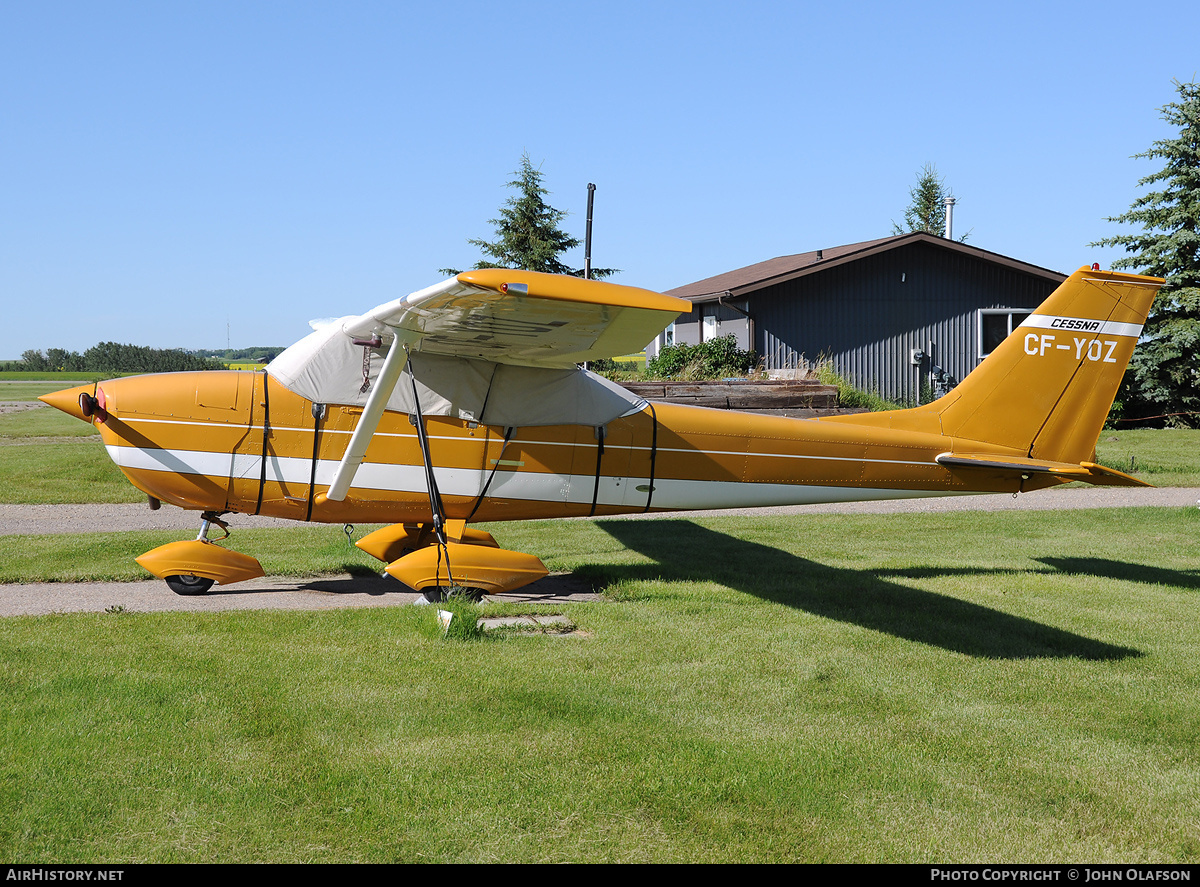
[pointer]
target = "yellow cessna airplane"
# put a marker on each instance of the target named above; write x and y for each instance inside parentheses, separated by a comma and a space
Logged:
(464, 402)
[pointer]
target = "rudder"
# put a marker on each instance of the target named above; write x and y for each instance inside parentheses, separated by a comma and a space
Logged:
(1046, 390)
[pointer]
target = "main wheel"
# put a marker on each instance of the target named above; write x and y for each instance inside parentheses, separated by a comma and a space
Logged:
(189, 584)
(435, 593)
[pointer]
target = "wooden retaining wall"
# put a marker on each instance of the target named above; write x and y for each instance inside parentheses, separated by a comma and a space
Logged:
(800, 398)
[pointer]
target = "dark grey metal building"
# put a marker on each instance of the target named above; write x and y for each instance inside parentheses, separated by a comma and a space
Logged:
(887, 313)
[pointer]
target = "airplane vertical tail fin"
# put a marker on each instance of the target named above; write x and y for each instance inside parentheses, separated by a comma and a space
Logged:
(1048, 387)
(1045, 391)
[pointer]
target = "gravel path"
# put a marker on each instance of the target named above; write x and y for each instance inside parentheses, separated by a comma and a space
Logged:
(25, 520)
(34, 519)
(267, 593)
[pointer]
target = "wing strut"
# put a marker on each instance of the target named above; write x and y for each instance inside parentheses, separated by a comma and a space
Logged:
(389, 375)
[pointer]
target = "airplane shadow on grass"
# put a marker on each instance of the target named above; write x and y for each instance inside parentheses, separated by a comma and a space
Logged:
(684, 551)
(1069, 566)
(359, 580)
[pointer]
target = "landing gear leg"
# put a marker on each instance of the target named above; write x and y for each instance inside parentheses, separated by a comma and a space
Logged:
(208, 518)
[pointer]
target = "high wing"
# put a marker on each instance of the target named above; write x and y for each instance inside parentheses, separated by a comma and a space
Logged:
(504, 317)
(523, 317)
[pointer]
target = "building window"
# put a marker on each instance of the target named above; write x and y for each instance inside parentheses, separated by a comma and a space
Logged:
(995, 324)
(668, 336)
(708, 323)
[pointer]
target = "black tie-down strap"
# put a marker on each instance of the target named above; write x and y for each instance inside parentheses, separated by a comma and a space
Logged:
(318, 413)
(601, 433)
(653, 454)
(435, 497)
(266, 437)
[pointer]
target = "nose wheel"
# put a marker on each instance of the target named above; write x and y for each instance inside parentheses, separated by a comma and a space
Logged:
(188, 584)
(436, 594)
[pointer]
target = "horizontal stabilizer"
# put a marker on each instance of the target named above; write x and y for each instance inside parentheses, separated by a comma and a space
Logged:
(1087, 472)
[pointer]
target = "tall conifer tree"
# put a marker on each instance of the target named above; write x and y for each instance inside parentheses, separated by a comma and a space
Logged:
(927, 211)
(1164, 375)
(527, 232)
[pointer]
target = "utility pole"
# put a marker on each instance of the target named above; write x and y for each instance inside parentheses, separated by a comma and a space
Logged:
(587, 240)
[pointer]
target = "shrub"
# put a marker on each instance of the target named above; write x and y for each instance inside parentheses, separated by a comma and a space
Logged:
(713, 359)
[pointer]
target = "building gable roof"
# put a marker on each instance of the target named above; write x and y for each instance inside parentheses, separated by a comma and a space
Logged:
(743, 281)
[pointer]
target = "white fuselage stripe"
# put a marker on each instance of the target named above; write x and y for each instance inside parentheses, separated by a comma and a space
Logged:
(669, 493)
(556, 443)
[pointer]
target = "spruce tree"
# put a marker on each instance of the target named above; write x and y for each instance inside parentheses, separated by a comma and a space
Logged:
(1163, 378)
(927, 211)
(527, 232)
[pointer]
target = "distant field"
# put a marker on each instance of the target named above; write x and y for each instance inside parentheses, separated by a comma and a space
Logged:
(69, 379)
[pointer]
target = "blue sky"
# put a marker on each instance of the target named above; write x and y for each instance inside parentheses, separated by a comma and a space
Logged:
(181, 174)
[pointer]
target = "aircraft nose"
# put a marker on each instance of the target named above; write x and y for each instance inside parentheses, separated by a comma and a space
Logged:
(71, 401)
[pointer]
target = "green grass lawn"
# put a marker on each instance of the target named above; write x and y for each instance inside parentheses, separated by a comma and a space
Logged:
(1167, 457)
(61, 471)
(915, 688)
(49, 457)
(42, 422)
(28, 390)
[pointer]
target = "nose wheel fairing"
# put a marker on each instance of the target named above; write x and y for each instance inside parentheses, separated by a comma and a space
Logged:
(201, 558)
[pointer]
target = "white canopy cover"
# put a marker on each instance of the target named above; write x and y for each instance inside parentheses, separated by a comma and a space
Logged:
(327, 367)
(495, 346)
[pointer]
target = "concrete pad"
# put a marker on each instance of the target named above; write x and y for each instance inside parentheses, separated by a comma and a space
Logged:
(531, 622)
(266, 593)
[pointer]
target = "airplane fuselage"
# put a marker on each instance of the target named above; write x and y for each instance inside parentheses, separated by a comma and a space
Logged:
(241, 442)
